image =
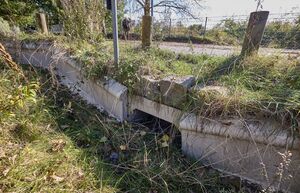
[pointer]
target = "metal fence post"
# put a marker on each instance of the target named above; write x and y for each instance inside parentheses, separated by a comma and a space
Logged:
(152, 8)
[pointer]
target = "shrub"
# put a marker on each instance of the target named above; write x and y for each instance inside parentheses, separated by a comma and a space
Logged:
(4, 28)
(82, 19)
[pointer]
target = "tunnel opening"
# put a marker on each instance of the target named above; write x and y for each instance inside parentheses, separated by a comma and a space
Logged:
(158, 126)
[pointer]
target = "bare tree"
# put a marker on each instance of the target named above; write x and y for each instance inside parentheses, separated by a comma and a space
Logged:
(184, 7)
(259, 4)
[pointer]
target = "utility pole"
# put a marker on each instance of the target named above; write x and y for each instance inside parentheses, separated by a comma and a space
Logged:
(115, 32)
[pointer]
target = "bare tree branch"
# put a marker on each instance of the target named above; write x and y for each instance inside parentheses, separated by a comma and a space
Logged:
(184, 7)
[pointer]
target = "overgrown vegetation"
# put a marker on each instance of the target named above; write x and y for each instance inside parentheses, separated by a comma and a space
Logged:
(51, 141)
(21, 13)
(261, 85)
(81, 19)
(278, 34)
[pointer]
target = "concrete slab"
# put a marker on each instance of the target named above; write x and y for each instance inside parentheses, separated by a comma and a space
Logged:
(107, 95)
(256, 150)
(148, 87)
(159, 110)
(174, 90)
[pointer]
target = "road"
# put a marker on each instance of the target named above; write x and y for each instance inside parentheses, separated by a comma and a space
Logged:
(219, 50)
(215, 50)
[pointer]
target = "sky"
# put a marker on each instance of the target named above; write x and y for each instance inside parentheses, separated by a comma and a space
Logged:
(241, 7)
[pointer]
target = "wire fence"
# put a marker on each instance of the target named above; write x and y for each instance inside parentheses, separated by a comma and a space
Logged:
(211, 22)
(282, 30)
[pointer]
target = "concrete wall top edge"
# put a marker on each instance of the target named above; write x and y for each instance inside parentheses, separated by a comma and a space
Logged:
(36, 46)
(114, 87)
(260, 131)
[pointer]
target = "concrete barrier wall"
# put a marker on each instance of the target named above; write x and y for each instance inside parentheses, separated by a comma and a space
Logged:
(259, 150)
(107, 95)
(254, 149)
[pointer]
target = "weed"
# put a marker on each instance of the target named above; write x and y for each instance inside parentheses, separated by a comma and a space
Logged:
(259, 85)
(58, 143)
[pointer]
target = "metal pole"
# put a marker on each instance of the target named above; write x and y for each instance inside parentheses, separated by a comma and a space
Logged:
(152, 8)
(115, 32)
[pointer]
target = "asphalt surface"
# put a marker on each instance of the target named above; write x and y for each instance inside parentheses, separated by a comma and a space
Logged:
(214, 50)
(220, 50)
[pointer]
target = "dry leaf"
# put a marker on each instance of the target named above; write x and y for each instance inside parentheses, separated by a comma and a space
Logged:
(165, 138)
(164, 144)
(57, 179)
(103, 139)
(28, 179)
(5, 172)
(123, 147)
(64, 126)
(13, 159)
(143, 133)
(80, 174)
(2, 153)
(58, 145)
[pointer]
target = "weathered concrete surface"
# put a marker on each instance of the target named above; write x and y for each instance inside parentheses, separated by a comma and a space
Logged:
(107, 95)
(253, 149)
(37, 54)
(159, 110)
(148, 87)
(174, 89)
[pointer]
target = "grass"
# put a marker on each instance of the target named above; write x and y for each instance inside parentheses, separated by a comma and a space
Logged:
(51, 141)
(258, 85)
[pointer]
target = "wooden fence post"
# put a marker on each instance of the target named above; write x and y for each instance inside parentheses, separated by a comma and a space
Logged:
(42, 22)
(146, 31)
(205, 26)
(147, 25)
(254, 33)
